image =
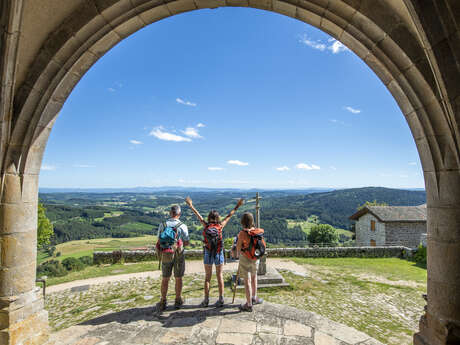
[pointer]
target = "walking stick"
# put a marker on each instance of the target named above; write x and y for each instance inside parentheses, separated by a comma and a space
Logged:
(236, 282)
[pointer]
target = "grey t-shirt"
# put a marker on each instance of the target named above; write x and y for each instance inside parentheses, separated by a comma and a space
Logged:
(182, 230)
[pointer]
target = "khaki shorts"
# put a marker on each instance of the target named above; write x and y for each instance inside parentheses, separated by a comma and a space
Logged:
(178, 263)
(248, 266)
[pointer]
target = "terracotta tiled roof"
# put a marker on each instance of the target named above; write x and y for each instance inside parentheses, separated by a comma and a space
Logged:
(394, 213)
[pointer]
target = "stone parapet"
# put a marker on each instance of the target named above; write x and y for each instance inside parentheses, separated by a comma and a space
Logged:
(324, 252)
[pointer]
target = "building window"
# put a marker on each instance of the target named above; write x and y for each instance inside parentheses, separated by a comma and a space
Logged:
(373, 225)
(373, 243)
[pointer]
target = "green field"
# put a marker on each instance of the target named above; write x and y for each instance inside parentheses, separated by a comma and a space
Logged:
(306, 226)
(87, 247)
(109, 215)
(81, 248)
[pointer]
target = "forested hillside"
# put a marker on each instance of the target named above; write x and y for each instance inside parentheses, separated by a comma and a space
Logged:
(86, 215)
(335, 207)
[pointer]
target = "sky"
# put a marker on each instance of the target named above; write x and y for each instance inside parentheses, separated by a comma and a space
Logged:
(234, 98)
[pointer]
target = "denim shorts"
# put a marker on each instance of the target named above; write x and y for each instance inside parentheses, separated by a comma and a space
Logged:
(218, 259)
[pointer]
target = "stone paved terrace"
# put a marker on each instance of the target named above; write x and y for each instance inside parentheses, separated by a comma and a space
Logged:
(269, 324)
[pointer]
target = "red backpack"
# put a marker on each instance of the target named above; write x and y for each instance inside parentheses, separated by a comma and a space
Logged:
(212, 238)
(254, 244)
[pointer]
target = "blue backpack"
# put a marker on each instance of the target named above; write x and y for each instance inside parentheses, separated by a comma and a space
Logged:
(168, 236)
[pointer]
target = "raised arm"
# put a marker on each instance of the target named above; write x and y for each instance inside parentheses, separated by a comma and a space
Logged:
(188, 201)
(232, 212)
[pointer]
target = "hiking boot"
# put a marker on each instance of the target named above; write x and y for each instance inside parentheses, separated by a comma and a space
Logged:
(245, 307)
(178, 303)
(161, 306)
(220, 302)
(205, 302)
(257, 300)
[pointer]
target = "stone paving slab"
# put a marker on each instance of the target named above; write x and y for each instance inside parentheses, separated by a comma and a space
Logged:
(269, 324)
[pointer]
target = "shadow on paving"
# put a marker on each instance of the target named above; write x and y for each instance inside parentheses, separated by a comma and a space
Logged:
(188, 315)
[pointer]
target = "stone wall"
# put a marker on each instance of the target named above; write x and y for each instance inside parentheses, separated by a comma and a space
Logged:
(364, 234)
(325, 252)
(405, 233)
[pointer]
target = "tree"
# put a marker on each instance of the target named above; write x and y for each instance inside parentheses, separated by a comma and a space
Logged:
(44, 227)
(323, 233)
(313, 219)
(372, 203)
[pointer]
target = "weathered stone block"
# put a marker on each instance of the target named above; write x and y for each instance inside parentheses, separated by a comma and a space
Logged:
(130, 26)
(180, 6)
(284, 8)
(262, 4)
(155, 14)
(445, 270)
(18, 249)
(105, 43)
(17, 280)
(21, 217)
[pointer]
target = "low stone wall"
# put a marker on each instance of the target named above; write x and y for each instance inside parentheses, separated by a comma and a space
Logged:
(326, 252)
(343, 252)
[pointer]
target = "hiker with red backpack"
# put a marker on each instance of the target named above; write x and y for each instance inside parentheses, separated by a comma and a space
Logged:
(172, 237)
(252, 245)
(213, 248)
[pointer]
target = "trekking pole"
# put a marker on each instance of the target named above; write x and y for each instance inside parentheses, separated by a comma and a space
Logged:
(159, 260)
(236, 282)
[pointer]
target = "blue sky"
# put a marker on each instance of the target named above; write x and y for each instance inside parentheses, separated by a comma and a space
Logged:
(230, 97)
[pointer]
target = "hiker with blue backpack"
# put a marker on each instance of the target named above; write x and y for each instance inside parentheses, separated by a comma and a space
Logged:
(172, 237)
(213, 248)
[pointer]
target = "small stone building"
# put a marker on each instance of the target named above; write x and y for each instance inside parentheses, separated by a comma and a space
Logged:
(390, 225)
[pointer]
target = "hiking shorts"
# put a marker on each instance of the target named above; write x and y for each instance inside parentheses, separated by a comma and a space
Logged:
(248, 266)
(217, 259)
(178, 264)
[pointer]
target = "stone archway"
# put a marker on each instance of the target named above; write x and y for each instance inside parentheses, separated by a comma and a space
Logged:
(48, 46)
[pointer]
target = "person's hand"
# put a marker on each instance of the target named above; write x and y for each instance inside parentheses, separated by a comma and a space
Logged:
(240, 202)
(188, 201)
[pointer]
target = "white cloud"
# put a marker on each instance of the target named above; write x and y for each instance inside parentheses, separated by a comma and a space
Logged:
(337, 121)
(336, 46)
(304, 166)
(111, 89)
(135, 142)
(333, 167)
(84, 166)
(181, 101)
(237, 162)
(318, 45)
(200, 125)
(215, 168)
(192, 133)
(48, 167)
(332, 44)
(352, 110)
(283, 168)
(412, 163)
(159, 133)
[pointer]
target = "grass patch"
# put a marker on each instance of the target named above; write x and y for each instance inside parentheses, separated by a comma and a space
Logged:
(306, 227)
(104, 270)
(389, 268)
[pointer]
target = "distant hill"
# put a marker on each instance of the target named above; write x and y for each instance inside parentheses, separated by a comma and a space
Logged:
(336, 206)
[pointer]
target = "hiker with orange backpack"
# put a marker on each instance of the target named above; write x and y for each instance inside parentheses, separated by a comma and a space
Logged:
(213, 248)
(252, 245)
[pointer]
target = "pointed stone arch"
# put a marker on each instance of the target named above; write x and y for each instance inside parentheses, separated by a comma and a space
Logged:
(413, 48)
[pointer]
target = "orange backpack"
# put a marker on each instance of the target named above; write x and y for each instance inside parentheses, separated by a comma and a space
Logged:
(254, 244)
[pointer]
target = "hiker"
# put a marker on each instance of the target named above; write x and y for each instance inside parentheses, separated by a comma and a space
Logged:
(172, 237)
(213, 249)
(252, 245)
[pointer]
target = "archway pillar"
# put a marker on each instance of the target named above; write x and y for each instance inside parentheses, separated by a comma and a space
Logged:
(23, 319)
(441, 323)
